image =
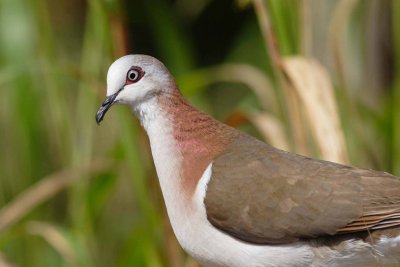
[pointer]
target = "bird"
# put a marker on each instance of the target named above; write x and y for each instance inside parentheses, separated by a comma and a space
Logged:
(233, 200)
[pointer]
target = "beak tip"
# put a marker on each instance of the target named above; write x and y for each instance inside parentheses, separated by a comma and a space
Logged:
(108, 102)
(99, 116)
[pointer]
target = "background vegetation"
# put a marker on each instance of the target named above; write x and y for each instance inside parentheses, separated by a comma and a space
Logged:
(316, 77)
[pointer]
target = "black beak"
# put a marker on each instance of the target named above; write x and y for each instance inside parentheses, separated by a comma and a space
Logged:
(105, 106)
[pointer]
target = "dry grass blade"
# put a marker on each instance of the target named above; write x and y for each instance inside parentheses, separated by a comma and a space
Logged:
(336, 29)
(267, 32)
(271, 129)
(45, 189)
(252, 77)
(296, 118)
(310, 81)
(255, 79)
(56, 239)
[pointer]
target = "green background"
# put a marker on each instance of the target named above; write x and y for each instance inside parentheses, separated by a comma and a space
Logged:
(76, 194)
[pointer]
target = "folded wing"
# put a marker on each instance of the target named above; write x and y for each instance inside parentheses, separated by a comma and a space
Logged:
(263, 195)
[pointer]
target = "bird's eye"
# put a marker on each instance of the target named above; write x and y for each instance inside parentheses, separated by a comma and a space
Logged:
(134, 75)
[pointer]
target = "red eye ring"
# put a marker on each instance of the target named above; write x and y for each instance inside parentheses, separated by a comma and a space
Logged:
(133, 75)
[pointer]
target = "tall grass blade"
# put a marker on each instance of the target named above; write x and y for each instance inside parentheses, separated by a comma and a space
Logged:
(56, 239)
(312, 85)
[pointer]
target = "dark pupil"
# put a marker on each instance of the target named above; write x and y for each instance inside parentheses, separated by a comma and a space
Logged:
(132, 75)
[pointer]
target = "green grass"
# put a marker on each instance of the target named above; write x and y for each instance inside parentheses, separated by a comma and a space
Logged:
(53, 61)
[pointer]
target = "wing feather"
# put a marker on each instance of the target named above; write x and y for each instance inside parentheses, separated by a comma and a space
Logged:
(261, 194)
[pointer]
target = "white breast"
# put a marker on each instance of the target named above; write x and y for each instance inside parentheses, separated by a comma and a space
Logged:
(215, 248)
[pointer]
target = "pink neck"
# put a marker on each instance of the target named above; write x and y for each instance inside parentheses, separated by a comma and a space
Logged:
(200, 138)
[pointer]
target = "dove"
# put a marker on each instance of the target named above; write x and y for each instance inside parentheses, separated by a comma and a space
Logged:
(233, 200)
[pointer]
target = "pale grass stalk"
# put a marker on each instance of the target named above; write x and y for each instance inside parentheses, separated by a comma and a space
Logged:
(254, 78)
(336, 30)
(270, 127)
(267, 33)
(297, 128)
(246, 74)
(55, 238)
(311, 83)
(46, 188)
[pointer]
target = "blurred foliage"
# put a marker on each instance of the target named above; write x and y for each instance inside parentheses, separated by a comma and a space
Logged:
(75, 194)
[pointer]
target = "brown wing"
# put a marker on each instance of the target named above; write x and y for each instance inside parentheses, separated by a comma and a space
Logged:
(264, 195)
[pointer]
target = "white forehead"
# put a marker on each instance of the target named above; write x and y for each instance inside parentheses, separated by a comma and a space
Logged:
(155, 71)
(118, 69)
(117, 72)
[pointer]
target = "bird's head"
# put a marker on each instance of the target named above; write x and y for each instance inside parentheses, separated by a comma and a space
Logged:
(133, 79)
